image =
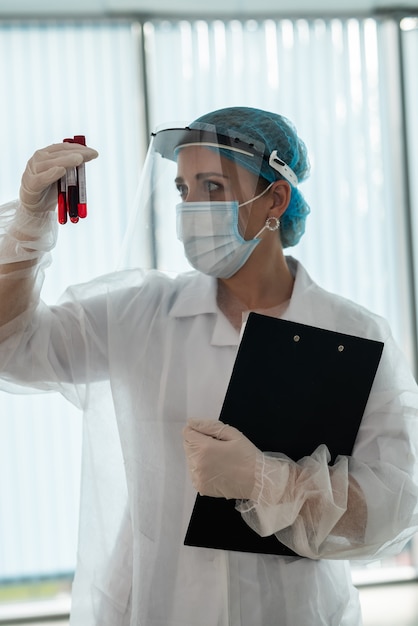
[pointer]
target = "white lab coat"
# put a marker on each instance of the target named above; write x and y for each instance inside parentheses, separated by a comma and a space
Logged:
(141, 357)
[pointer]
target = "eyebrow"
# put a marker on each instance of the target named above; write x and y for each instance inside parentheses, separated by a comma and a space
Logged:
(201, 175)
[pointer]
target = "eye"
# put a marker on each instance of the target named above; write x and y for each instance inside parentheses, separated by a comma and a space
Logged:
(182, 189)
(212, 187)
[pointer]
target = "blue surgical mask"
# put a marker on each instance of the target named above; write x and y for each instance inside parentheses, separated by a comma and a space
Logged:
(212, 242)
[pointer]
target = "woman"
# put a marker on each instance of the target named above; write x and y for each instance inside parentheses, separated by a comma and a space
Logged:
(148, 358)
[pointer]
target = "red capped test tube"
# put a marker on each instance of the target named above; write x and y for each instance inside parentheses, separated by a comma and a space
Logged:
(72, 190)
(72, 195)
(62, 199)
(81, 181)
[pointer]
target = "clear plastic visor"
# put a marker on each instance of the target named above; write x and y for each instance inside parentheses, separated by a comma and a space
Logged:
(190, 165)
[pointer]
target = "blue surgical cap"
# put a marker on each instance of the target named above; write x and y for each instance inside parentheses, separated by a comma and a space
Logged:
(276, 133)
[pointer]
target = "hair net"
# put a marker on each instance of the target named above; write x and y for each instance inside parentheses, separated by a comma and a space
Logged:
(276, 133)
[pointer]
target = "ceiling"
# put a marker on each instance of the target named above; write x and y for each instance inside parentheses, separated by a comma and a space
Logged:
(196, 7)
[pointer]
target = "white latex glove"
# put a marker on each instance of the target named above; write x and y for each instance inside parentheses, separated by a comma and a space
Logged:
(37, 191)
(221, 459)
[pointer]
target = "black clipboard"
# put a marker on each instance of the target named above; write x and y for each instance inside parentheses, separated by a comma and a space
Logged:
(292, 388)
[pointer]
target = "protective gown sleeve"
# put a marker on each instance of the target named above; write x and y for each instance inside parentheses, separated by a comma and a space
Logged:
(42, 347)
(26, 238)
(364, 506)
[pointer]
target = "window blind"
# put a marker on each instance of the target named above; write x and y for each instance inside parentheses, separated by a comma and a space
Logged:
(336, 79)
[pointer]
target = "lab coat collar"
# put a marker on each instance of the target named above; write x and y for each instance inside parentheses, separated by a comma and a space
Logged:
(305, 306)
(197, 296)
(300, 307)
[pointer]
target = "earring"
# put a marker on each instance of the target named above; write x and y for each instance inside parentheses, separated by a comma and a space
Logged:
(272, 223)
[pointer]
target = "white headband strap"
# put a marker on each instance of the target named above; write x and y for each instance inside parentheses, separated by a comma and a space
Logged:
(274, 161)
(280, 166)
(214, 145)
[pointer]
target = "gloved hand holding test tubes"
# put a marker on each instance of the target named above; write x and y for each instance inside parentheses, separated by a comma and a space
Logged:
(72, 196)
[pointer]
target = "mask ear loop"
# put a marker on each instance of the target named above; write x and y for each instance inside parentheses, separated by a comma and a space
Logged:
(272, 224)
(256, 197)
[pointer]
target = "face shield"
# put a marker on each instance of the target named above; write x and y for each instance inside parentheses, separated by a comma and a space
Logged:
(195, 197)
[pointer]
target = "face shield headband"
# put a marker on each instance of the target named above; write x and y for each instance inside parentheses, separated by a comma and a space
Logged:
(245, 151)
